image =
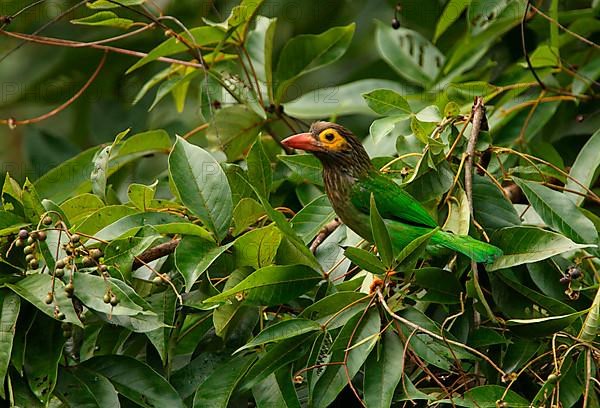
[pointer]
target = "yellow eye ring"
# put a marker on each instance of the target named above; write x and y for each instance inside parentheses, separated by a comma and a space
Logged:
(331, 139)
(329, 136)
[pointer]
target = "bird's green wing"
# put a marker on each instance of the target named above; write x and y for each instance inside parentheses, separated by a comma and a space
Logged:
(392, 201)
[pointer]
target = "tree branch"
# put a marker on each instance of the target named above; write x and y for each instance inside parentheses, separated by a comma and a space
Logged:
(156, 252)
(326, 231)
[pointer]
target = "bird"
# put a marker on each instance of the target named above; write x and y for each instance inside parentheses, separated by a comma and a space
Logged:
(350, 179)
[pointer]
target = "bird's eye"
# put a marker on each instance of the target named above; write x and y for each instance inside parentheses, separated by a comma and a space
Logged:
(330, 136)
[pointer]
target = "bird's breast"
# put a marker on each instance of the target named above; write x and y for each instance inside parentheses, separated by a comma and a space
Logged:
(338, 186)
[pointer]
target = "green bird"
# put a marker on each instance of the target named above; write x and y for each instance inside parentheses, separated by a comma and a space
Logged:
(350, 179)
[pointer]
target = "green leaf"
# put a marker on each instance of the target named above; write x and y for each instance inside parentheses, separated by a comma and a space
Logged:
(312, 218)
(381, 235)
(410, 54)
(129, 224)
(136, 381)
(102, 218)
(9, 311)
(442, 286)
(234, 321)
(308, 52)
(543, 326)
(484, 14)
(234, 128)
(358, 336)
(365, 260)
(491, 208)
(584, 168)
(35, 288)
(200, 36)
(276, 357)
(452, 12)
(277, 390)
(260, 48)
(165, 305)
(272, 285)
(419, 130)
(387, 102)
(106, 19)
(141, 195)
(383, 370)
(217, 389)
(585, 75)
(559, 214)
(485, 396)
(281, 331)
(544, 56)
(459, 216)
(246, 213)
(522, 245)
(306, 166)
(257, 248)
(104, 4)
(340, 100)
(90, 289)
(44, 349)
(302, 254)
(80, 206)
(336, 309)
(99, 172)
(194, 255)
(259, 169)
(78, 386)
(202, 185)
(72, 177)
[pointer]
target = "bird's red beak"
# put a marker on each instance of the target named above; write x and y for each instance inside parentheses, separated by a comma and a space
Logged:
(302, 141)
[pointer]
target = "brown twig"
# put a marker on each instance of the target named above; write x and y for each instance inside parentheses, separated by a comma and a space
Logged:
(78, 44)
(11, 122)
(156, 252)
(478, 118)
(437, 336)
(565, 29)
(326, 231)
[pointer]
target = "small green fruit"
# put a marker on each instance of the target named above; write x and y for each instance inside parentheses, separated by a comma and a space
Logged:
(106, 298)
(59, 272)
(114, 300)
(28, 249)
(29, 258)
(61, 316)
(42, 236)
(34, 264)
(49, 298)
(75, 238)
(47, 220)
(20, 243)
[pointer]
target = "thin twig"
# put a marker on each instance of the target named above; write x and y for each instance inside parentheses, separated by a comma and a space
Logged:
(437, 336)
(565, 29)
(78, 44)
(13, 122)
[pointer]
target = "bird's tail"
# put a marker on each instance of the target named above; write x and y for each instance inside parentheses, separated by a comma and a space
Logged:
(477, 250)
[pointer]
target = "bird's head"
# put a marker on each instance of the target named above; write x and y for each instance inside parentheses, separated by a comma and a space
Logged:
(333, 144)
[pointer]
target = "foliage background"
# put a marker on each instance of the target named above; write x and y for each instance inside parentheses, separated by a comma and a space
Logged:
(555, 358)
